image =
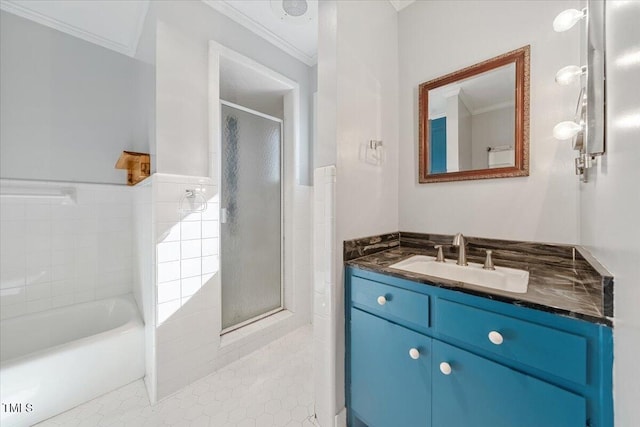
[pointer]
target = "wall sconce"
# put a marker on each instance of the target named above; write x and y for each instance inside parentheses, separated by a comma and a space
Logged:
(568, 74)
(586, 130)
(567, 19)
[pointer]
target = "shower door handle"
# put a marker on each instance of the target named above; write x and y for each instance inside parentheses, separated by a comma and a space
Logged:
(223, 215)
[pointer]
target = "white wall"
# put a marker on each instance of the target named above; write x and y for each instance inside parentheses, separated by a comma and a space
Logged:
(184, 30)
(325, 152)
(52, 255)
(182, 128)
(188, 296)
(610, 203)
(464, 135)
(68, 107)
(491, 129)
(357, 102)
(436, 38)
(453, 129)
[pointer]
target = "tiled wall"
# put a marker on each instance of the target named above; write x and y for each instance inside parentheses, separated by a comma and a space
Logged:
(144, 273)
(186, 246)
(187, 337)
(186, 242)
(54, 254)
(323, 282)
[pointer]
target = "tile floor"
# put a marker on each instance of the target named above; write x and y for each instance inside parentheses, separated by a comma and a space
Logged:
(271, 387)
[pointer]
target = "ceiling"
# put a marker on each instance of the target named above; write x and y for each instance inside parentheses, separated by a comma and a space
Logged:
(115, 25)
(298, 37)
(485, 92)
(246, 86)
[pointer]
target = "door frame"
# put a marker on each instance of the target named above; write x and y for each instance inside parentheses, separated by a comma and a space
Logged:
(294, 306)
(282, 213)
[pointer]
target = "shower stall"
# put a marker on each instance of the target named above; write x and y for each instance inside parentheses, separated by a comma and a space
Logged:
(251, 216)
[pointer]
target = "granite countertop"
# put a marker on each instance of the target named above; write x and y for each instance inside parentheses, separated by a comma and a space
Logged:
(563, 279)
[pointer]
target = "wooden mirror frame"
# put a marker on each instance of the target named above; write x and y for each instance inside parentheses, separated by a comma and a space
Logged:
(519, 57)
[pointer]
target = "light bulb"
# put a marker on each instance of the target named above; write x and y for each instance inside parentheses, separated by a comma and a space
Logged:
(568, 74)
(566, 130)
(567, 19)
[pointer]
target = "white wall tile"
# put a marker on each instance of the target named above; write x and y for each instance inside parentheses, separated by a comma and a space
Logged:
(168, 271)
(210, 229)
(190, 286)
(15, 295)
(39, 291)
(189, 216)
(168, 251)
(190, 268)
(168, 232)
(210, 246)
(167, 212)
(65, 253)
(210, 264)
(84, 296)
(38, 305)
(12, 211)
(190, 230)
(62, 287)
(166, 309)
(38, 211)
(212, 213)
(169, 291)
(62, 300)
(39, 258)
(191, 249)
(12, 276)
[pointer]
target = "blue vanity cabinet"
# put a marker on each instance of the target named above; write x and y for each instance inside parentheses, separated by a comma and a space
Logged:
(390, 373)
(469, 390)
(479, 362)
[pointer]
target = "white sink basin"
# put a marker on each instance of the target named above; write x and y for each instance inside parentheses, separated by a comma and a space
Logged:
(502, 278)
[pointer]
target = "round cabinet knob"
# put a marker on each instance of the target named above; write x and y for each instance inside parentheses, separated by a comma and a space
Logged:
(496, 337)
(414, 353)
(445, 368)
(382, 300)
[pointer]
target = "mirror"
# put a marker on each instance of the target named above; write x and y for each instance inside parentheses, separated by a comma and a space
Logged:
(474, 123)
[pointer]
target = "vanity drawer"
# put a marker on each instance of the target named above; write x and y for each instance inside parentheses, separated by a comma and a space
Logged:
(559, 353)
(396, 304)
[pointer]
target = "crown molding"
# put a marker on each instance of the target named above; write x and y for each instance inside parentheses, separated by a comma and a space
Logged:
(494, 107)
(261, 31)
(400, 4)
(127, 49)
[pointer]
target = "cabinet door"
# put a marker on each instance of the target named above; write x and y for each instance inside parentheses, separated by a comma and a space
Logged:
(390, 383)
(479, 393)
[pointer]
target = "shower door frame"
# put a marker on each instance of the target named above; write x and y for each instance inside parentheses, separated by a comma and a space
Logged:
(282, 213)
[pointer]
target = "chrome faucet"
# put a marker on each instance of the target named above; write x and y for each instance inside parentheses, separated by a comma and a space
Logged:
(459, 241)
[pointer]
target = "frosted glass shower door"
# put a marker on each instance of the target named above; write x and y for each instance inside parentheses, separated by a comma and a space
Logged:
(250, 216)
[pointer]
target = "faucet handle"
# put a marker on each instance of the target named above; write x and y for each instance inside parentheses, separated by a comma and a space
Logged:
(440, 256)
(488, 261)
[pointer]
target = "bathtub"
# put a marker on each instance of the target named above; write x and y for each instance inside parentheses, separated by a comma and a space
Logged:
(58, 359)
